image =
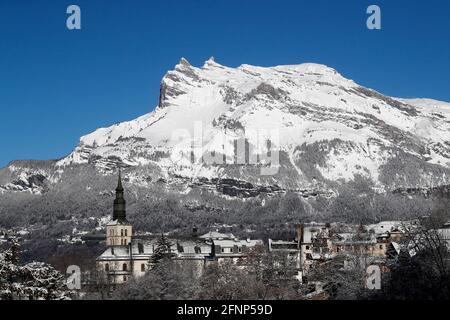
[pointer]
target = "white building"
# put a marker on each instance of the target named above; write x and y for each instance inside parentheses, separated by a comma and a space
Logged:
(129, 256)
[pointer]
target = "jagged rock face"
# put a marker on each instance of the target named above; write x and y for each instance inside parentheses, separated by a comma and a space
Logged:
(27, 176)
(324, 128)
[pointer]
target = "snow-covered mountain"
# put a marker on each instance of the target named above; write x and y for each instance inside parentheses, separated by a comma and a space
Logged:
(325, 130)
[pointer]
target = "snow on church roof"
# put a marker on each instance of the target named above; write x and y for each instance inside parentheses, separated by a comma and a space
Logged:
(117, 222)
(143, 249)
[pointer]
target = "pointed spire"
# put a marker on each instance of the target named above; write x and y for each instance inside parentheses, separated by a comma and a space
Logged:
(119, 183)
(119, 212)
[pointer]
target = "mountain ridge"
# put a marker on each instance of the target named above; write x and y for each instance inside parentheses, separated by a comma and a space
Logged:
(330, 130)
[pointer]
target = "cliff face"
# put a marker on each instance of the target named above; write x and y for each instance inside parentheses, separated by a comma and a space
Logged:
(302, 128)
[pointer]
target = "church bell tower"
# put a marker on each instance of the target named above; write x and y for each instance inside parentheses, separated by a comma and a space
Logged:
(119, 212)
(119, 230)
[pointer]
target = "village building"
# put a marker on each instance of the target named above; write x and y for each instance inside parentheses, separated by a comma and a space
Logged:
(444, 234)
(316, 243)
(312, 243)
(227, 246)
(357, 244)
(233, 249)
(128, 256)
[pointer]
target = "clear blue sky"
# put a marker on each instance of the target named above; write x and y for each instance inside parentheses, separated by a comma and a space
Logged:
(56, 84)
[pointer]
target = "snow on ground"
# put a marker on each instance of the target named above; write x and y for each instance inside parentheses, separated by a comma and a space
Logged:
(345, 165)
(428, 105)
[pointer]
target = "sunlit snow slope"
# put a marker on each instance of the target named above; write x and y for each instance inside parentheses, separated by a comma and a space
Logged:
(326, 129)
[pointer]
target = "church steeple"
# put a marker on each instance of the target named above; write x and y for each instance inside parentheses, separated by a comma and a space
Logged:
(119, 213)
(119, 231)
(119, 184)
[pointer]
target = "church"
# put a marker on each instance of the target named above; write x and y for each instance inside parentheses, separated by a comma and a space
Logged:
(128, 255)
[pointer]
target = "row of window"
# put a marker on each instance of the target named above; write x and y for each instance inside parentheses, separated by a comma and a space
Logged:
(230, 250)
(123, 232)
(125, 267)
(353, 248)
(123, 242)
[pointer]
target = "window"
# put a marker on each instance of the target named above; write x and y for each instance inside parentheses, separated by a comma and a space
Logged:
(143, 267)
(239, 249)
(381, 247)
(227, 250)
(124, 278)
(126, 232)
(124, 267)
(121, 232)
(121, 242)
(307, 247)
(107, 267)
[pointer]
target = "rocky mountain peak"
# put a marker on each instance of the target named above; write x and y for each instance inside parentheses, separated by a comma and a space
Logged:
(329, 129)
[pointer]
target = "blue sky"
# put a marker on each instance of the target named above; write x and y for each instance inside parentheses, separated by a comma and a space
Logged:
(57, 85)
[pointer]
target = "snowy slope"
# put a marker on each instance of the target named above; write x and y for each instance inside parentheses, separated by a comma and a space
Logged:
(325, 127)
(428, 105)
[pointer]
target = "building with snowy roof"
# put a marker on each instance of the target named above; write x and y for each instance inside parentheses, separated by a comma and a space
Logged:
(127, 256)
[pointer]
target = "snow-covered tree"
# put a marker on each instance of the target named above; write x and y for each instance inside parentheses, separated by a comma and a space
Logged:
(167, 280)
(32, 281)
(162, 250)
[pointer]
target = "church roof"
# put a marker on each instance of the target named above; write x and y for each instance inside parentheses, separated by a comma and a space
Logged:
(143, 249)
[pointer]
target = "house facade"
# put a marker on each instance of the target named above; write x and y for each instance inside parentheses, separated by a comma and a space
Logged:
(316, 242)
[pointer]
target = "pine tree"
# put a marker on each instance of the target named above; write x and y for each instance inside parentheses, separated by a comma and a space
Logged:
(33, 281)
(161, 251)
(391, 253)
